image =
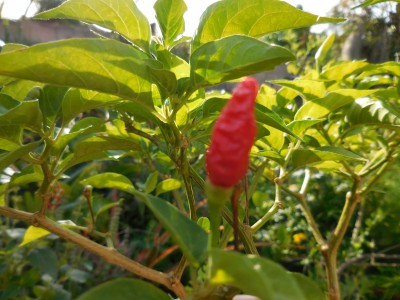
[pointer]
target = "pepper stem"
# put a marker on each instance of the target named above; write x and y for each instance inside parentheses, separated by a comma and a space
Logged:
(217, 197)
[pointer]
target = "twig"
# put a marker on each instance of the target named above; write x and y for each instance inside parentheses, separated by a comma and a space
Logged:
(108, 254)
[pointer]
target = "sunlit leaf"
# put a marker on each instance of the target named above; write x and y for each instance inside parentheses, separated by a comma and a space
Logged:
(303, 157)
(121, 16)
(169, 14)
(366, 111)
(254, 18)
(234, 57)
(109, 180)
(320, 108)
(96, 64)
(168, 185)
(323, 50)
(311, 89)
(32, 234)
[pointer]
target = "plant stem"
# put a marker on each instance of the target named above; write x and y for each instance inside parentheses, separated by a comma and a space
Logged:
(110, 255)
(272, 211)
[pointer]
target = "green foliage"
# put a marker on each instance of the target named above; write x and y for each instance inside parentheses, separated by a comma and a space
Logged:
(107, 137)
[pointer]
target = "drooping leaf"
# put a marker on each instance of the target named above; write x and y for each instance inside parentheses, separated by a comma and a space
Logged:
(273, 281)
(366, 111)
(32, 234)
(167, 185)
(190, 237)
(121, 16)
(234, 57)
(303, 157)
(311, 89)
(101, 65)
(169, 14)
(373, 2)
(254, 18)
(109, 180)
(125, 288)
(320, 108)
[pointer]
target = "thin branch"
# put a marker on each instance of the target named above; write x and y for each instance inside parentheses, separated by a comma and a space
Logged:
(108, 254)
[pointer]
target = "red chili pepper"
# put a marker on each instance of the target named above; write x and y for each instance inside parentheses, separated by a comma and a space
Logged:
(232, 137)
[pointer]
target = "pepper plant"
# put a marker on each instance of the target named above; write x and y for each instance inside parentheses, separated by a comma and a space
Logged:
(68, 103)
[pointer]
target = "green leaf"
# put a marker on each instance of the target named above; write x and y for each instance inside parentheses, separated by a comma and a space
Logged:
(121, 16)
(254, 18)
(96, 64)
(172, 62)
(77, 101)
(168, 185)
(190, 237)
(303, 157)
(300, 127)
(309, 287)
(45, 260)
(323, 50)
(96, 148)
(320, 108)
(342, 70)
(26, 114)
(270, 118)
(50, 102)
(151, 182)
(366, 111)
(233, 57)
(253, 275)
(8, 158)
(109, 180)
(164, 79)
(32, 234)
(19, 89)
(373, 2)
(125, 288)
(311, 89)
(84, 126)
(169, 14)
(30, 174)
(11, 136)
(272, 155)
(204, 223)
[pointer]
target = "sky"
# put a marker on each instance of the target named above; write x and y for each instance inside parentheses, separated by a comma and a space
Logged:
(13, 9)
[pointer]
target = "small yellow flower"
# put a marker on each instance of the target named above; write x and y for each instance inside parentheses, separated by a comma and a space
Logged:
(298, 238)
